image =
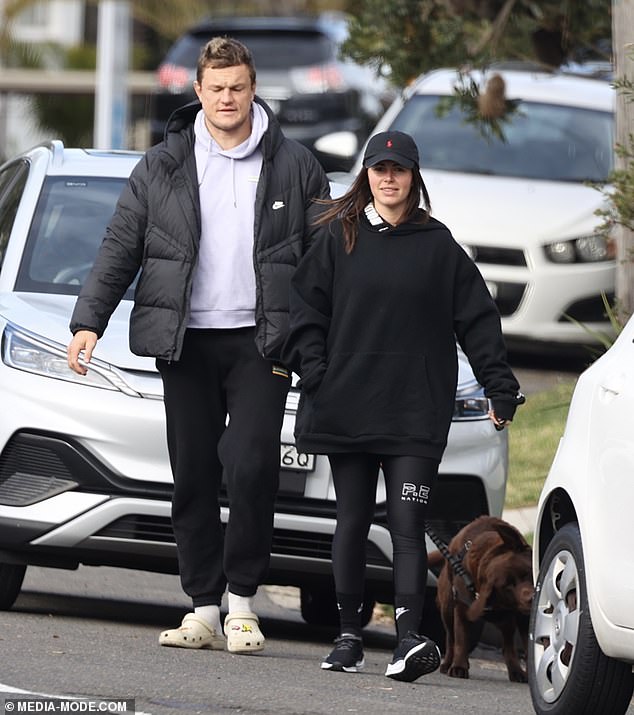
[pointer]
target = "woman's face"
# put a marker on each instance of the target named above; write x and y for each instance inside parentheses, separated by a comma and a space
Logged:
(390, 185)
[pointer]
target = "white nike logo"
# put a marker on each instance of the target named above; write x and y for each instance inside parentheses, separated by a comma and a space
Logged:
(277, 205)
(400, 611)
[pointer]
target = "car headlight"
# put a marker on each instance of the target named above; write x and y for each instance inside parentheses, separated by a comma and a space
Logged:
(587, 249)
(471, 406)
(26, 351)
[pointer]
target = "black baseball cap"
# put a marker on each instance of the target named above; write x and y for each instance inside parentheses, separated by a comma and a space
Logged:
(391, 146)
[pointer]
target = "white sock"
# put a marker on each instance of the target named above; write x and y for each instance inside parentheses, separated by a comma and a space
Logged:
(239, 604)
(211, 614)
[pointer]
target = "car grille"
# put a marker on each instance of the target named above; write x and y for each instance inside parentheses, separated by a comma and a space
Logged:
(588, 310)
(499, 256)
(298, 544)
(508, 297)
(30, 473)
(40, 457)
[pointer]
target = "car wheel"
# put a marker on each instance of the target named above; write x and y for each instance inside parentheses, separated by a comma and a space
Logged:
(319, 606)
(11, 577)
(567, 671)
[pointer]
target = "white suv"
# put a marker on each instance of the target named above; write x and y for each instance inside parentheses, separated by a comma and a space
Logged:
(84, 472)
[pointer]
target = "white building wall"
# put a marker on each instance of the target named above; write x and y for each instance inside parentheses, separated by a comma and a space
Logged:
(59, 21)
(55, 21)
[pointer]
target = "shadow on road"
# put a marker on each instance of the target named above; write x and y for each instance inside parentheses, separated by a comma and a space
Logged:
(277, 622)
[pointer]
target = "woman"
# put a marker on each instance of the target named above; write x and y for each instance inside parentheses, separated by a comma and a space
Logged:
(377, 304)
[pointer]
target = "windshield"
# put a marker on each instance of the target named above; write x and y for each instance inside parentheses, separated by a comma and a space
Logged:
(67, 229)
(536, 141)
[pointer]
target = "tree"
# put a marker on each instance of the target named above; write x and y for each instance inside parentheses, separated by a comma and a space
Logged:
(415, 36)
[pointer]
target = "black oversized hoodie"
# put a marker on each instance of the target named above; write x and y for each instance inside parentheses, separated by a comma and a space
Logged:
(373, 337)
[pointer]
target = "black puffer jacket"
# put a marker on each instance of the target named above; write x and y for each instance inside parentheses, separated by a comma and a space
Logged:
(156, 228)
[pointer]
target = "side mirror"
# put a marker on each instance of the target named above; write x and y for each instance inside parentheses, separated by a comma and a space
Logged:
(344, 145)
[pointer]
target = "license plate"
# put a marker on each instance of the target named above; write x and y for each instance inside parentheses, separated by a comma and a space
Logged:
(290, 458)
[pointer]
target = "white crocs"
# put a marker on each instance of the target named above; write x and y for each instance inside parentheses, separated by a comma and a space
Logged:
(243, 633)
(194, 632)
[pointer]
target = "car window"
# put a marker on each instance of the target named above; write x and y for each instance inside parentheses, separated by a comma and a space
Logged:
(67, 229)
(278, 50)
(538, 141)
(12, 180)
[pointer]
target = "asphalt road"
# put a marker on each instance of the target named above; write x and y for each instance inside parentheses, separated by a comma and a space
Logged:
(93, 633)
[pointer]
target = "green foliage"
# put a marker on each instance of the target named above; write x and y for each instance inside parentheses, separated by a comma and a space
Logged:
(623, 182)
(621, 193)
(69, 117)
(415, 36)
(466, 96)
(409, 36)
(616, 323)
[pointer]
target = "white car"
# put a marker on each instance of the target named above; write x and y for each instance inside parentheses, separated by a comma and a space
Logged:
(84, 472)
(581, 633)
(520, 201)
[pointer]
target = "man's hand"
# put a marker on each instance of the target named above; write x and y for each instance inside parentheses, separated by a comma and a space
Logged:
(83, 341)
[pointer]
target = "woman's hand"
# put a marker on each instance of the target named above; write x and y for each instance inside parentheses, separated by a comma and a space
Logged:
(498, 423)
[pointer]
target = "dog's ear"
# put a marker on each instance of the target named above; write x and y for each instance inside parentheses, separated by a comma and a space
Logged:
(513, 540)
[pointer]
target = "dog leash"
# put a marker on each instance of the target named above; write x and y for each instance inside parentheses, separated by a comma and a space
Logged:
(454, 561)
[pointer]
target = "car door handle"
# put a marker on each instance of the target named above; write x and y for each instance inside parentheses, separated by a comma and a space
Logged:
(613, 384)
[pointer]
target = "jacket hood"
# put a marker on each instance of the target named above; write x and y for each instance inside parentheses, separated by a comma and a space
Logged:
(375, 223)
(184, 117)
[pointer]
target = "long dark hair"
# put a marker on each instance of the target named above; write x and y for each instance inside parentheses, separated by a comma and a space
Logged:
(349, 207)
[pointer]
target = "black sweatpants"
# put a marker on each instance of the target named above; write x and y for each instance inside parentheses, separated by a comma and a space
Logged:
(409, 482)
(221, 375)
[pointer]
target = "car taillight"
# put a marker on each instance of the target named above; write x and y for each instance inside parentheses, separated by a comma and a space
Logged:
(174, 78)
(318, 78)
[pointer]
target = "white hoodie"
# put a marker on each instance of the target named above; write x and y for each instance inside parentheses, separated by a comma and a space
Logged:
(223, 290)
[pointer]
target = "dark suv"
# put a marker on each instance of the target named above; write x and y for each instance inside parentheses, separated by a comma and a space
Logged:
(299, 74)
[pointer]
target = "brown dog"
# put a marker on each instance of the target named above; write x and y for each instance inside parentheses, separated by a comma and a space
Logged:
(498, 560)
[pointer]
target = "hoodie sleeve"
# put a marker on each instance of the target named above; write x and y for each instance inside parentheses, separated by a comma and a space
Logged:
(310, 312)
(479, 332)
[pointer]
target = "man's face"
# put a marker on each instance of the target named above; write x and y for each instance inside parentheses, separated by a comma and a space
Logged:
(226, 95)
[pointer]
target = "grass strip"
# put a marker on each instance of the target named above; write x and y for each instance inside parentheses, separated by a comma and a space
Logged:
(533, 440)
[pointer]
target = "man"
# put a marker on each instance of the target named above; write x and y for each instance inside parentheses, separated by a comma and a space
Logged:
(215, 217)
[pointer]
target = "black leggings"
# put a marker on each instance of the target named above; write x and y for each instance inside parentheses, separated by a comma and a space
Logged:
(409, 482)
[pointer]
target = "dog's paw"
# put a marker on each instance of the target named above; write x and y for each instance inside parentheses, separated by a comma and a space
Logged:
(458, 672)
(518, 676)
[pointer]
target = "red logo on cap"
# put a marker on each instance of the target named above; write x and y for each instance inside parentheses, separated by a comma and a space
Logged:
(389, 143)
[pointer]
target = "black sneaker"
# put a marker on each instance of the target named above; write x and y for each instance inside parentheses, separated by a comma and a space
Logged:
(346, 656)
(414, 656)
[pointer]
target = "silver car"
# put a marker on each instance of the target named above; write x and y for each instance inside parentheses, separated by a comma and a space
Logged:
(84, 471)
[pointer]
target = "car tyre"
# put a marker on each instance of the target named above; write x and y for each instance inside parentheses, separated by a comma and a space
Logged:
(318, 606)
(567, 671)
(11, 578)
